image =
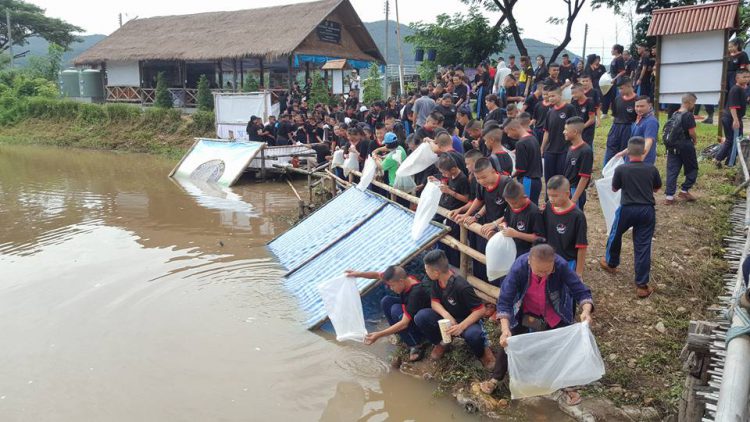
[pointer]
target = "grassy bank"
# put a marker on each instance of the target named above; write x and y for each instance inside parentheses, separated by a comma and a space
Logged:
(110, 126)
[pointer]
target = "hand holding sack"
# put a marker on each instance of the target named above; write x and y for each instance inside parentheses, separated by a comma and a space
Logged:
(426, 209)
(419, 160)
(344, 307)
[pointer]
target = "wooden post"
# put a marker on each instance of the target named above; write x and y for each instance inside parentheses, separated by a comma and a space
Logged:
(221, 75)
(263, 163)
(262, 75)
(234, 75)
(307, 71)
(289, 70)
(464, 260)
(696, 359)
(242, 74)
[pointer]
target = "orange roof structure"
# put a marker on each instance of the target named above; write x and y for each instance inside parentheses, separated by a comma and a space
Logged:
(715, 16)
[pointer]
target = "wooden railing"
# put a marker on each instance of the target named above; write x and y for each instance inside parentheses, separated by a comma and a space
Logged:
(181, 97)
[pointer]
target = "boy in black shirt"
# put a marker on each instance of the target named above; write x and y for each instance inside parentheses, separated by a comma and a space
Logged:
(454, 186)
(554, 80)
(586, 110)
(498, 155)
(285, 132)
(269, 131)
(579, 161)
(528, 159)
(254, 129)
(454, 299)
(683, 155)
(522, 220)
(638, 182)
(617, 71)
(623, 111)
(565, 225)
(554, 144)
(400, 310)
(731, 118)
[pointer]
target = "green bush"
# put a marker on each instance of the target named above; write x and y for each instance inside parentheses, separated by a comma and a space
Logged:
(163, 97)
(92, 114)
(205, 98)
(203, 122)
(123, 113)
(162, 119)
(48, 108)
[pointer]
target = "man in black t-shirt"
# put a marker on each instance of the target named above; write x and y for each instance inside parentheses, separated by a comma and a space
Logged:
(454, 299)
(554, 80)
(683, 155)
(528, 158)
(554, 145)
(638, 182)
(499, 157)
(643, 72)
(579, 162)
(617, 71)
(254, 129)
(448, 110)
(454, 186)
(586, 110)
(731, 118)
(400, 310)
(624, 115)
(567, 69)
(285, 131)
(522, 220)
(565, 225)
(269, 131)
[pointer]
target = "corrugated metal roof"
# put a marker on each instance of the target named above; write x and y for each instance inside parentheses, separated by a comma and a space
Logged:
(382, 240)
(698, 18)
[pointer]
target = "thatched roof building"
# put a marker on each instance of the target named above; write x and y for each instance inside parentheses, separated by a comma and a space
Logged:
(268, 43)
(269, 32)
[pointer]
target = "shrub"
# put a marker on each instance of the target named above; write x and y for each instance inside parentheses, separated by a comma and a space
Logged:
(251, 84)
(123, 113)
(205, 98)
(373, 86)
(163, 98)
(92, 114)
(48, 108)
(162, 119)
(203, 122)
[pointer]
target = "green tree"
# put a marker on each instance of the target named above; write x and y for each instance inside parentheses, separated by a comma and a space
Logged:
(163, 97)
(28, 20)
(372, 86)
(427, 70)
(319, 91)
(205, 98)
(459, 39)
(251, 84)
(49, 66)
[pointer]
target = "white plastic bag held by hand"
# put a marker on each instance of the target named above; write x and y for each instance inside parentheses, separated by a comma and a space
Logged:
(405, 183)
(368, 174)
(420, 159)
(351, 163)
(543, 362)
(426, 209)
(605, 83)
(612, 164)
(344, 307)
(338, 158)
(500, 253)
(608, 200)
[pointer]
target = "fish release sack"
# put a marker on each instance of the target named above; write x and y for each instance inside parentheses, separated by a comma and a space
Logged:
(612, 164)
(500, 253)
(608, 200)
(420, 159)
(605, 83)
(405, 183)
(338, 158)
(344, 307)
(351, 163)
(426, 209)
(543, 362)
(368, 174)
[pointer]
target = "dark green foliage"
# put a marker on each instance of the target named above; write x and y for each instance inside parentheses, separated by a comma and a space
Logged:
(251, 84)
(459, 39)
(372, 87)
(319, 93)
(205, 98)
(28, 20)
(123, 113)
(166, 120)
(92, 114)
(163, 98)
(204, 122)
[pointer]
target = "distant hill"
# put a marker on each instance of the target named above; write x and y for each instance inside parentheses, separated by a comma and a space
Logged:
(38, 47)
(377, 31)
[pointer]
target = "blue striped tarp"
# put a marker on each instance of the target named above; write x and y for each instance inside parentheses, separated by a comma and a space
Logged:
(382, 240)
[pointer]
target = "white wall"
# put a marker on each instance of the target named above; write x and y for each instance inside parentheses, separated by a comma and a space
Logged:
(123, 74)
(691, 63)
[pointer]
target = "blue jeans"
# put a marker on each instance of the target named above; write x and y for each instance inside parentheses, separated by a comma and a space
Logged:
(642, 218)
(728, 153)
(582, 200)
(475, 337)
(532, 188)
(393, 313)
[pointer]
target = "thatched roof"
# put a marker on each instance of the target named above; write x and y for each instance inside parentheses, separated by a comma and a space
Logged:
(268, 32)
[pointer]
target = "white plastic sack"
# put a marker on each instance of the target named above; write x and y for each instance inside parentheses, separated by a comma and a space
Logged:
(420, 159)
(608, 200)
(605, 83)
(612, 164)
(500, 253)
(567, 93)
(344, 307)
(426, 209)
(351, 163)
(368, 174)
(338, 158)
(405, 183)
(543, 362)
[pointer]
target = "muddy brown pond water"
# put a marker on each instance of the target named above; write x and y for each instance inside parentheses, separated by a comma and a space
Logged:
(126, 296)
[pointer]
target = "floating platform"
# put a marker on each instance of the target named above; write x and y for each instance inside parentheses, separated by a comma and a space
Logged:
(355, 230)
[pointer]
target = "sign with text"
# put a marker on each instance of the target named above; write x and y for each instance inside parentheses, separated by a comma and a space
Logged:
(329, 31)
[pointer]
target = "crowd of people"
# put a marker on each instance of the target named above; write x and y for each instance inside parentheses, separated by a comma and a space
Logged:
(516, 156)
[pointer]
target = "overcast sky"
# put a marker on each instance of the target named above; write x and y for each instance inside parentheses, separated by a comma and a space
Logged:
(100, 17)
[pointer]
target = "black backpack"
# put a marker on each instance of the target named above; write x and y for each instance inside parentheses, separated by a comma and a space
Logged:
(673, 135)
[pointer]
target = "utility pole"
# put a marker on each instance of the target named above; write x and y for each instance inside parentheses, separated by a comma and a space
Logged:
(385, 74)
(119, 18)
(400, 53)
(10, 36)
(585, 37)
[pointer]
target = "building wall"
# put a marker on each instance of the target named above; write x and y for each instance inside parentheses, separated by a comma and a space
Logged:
(691, 63)
(123, 74)
(348, 48)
